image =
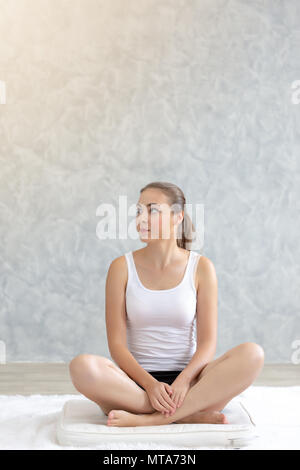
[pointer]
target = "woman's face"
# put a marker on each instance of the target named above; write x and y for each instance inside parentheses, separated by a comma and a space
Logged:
(154, 217)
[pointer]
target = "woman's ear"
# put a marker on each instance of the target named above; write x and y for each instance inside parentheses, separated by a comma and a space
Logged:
(179, 218)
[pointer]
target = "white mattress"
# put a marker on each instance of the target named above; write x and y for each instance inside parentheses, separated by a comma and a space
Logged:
(82, 423)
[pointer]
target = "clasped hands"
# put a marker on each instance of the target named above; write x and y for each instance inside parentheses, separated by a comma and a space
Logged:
(167, 398)
(177, 392)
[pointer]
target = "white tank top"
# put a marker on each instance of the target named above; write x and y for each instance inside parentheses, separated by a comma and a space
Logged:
(161, 324)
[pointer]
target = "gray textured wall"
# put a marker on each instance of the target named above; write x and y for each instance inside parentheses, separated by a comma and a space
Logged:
(105, 96)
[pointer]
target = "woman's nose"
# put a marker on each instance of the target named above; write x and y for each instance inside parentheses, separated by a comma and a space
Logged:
(143, 219)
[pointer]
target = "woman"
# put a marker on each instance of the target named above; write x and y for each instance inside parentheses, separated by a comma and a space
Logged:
(156, 298)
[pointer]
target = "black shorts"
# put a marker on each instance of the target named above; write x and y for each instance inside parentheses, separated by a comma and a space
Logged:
(167, 376)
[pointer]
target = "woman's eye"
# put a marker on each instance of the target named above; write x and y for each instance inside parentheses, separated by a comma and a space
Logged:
(152, 209)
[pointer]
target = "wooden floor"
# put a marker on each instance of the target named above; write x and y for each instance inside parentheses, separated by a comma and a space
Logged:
(53, 378)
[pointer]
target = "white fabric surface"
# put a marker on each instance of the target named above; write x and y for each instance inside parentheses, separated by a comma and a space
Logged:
(83, 423)
(29, 422)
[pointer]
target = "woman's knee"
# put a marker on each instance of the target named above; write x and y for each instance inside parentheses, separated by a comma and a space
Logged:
(251, 356)
(87, 365)
(252, 351)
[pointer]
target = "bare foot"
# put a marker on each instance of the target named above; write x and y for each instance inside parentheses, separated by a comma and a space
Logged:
(211, 417)
(125, 418)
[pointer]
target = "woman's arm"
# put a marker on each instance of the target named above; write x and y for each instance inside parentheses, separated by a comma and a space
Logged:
(115, 317)
(206, 318)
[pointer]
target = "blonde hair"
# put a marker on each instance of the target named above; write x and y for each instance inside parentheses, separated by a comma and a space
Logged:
(176, 198)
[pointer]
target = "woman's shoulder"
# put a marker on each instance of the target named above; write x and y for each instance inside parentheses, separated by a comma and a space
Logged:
(205, 269)
(118, 266)
(120, 261)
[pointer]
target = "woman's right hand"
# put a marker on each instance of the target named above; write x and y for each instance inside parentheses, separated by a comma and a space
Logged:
(158, 393)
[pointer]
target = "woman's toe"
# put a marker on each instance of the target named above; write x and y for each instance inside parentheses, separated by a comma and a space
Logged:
(224, 419)
(111, 418)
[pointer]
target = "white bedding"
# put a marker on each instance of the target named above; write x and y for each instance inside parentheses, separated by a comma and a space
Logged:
(30, 422)
(82, 422)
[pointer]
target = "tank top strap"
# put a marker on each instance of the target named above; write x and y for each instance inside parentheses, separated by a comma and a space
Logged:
(130, 268)
(192, 268)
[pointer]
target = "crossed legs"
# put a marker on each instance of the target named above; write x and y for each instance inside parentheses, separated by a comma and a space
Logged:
(103, 382)
(121, 398)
